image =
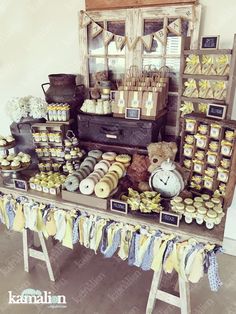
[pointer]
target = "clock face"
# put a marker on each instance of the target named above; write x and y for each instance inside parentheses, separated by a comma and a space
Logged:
(167, 183)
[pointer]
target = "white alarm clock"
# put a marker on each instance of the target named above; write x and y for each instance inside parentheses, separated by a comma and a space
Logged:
(167, 180)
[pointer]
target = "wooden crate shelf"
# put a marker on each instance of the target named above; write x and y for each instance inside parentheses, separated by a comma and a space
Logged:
(204, 77)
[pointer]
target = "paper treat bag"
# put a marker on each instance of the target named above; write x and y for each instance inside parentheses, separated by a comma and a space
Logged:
(120, 103)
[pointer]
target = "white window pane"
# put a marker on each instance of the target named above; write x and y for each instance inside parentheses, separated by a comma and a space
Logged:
(150, 27)
(95, 45)
(117, 28)
(153, 62)
(173, 45)
(116, 68)
(95, 65)
(174, 65)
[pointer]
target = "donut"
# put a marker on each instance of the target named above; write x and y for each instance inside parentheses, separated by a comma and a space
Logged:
(120, 165)
(87, 163)
(112, 179)
(87, 186)
(102, 189)
(115, 174)
(78, 175)
(82, 172)
(92, 159)
(101, 165)
(123, 158)
(72, 183)
(127, 164)
(109, 156)
(117, 169)
(100, 172)
(95, 153)
(95, 175)
(108, 163)
(87, 170)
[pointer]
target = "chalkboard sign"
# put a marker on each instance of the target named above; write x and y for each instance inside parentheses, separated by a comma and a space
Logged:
(209, 42)
(118, 206)
(132, 113)
(216, 111)
(20, 185)
(169, 219)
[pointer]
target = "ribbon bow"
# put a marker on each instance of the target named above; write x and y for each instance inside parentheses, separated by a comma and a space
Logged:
(204, 84)
(207, 59)
(222, 59)
(193, 59)
(202, 107)
(191, 84)
(186, 108)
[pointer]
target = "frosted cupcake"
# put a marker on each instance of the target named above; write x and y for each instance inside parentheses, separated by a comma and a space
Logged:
(25, 161)
(15, 165)
(10, 140)
(3, 143)
(17, 158)
(11, 157)
(5, 165)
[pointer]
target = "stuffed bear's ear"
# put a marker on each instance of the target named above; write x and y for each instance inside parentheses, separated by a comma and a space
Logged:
(152, 147)
(173, 146)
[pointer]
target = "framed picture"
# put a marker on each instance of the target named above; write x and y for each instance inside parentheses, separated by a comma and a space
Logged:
(209, 42)
(216, 111)
(132, 113)
(21, 185)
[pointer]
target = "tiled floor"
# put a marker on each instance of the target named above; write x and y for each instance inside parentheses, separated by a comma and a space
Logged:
(95, 285)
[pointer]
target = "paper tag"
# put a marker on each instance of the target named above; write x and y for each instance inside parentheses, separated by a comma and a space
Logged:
(135, 102)
(149, 104)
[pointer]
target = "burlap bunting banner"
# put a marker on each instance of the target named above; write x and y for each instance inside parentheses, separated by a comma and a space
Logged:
(132, 42)
(120, 41)
(85, 20)
(175, 27)
(161, 36)
(147, 41)
(96, 29)
(107, 37)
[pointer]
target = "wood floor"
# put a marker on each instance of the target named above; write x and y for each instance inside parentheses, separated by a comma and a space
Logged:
(95, 285)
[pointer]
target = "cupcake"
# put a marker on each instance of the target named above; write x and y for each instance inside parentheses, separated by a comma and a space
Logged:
(10, 140)
(15, 165)
(25, 161)
(5, 165)
(3, 143)
(56, 166)
(41, 166)
(18, 158)
(11, 157)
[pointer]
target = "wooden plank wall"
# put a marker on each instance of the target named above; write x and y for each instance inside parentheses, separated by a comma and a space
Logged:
(114, 4)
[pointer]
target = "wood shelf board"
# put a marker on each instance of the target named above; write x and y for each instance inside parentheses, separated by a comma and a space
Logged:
(206, 77)
(208, 52)
(203, 100)
(185, 231)
(200, 117)
(52, 123)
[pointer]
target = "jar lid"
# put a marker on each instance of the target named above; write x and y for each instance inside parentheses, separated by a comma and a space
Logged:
(215, 200)
(218, 209)
(190, 209)
(209, 204)
(201, 210)
(177, 199)
(179, 206)
(211, 214)
(197, 204)
(188, 201)
(198, 199)
(205, 197)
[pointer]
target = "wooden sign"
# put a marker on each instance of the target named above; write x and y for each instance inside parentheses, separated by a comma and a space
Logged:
(171, 219)
(209, 42)
(20, 185)
(132, 113)
(118, 206)
(114, 4)
(216, 111)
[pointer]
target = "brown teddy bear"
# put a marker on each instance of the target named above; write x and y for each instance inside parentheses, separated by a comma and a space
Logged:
(158, 152)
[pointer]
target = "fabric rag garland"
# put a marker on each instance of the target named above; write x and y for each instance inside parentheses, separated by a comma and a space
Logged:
(174, 27)
(141, 246)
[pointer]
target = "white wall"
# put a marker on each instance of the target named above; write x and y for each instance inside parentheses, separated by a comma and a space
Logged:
(40, 37)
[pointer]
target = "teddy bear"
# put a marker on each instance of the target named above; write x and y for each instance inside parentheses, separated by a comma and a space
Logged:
(141, 167)
(159, 152)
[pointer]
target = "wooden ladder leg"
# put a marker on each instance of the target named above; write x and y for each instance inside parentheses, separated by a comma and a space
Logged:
(153, 291)
(25, 250)
(45, 252)
(184, 294)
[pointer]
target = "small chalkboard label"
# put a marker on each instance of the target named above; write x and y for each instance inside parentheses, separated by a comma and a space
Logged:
(169, 219)
(118, 206)
(209, 42)
(132, 113)
(20, 185)
(216, 111)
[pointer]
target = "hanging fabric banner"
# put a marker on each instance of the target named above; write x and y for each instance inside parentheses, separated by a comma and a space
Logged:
(175, 27)
(120, 41)
(85, 19)
(96, 29)
(107, 37)
(161, 36)
(132, 42)
(147, 41)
